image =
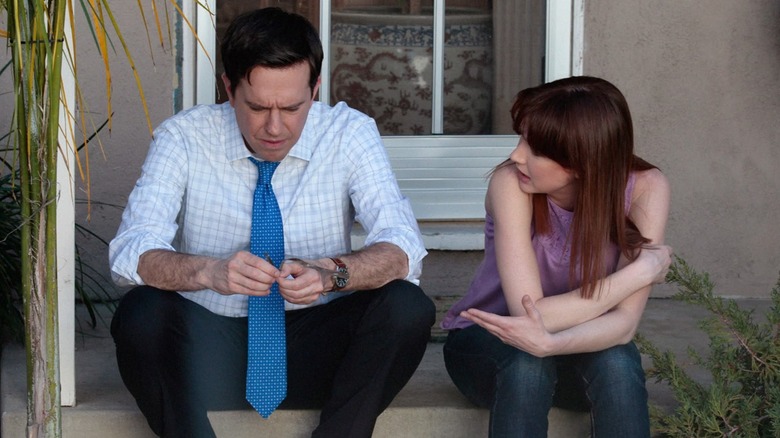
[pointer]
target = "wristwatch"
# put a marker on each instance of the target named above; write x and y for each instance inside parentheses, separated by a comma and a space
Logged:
(341, 275)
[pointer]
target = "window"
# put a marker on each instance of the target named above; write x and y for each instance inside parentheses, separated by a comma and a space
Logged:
(438, 76)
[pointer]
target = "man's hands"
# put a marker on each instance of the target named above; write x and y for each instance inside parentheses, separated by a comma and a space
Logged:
(302, 282)
(243, 273)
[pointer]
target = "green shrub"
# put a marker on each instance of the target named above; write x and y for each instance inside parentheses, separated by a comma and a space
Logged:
(743, 399)
(92, 287)
(11, 322)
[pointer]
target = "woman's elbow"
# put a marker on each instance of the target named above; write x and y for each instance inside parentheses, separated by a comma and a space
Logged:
(628, 334)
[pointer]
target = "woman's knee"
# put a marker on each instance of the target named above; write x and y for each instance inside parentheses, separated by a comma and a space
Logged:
(618, 361)
(486, 369)
(616, 372)
(525, 372)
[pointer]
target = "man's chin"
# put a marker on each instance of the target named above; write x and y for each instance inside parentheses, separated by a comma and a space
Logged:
(272, 153)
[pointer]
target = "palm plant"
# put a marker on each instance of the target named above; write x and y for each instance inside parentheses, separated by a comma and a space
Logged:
(90, 284)
(41, 50)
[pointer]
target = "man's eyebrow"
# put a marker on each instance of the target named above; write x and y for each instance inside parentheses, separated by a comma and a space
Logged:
(293, 106)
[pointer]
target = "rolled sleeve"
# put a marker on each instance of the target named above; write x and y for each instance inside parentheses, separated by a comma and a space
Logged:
(149, 219)
(383, 211)
(124, 253)
(410, 242)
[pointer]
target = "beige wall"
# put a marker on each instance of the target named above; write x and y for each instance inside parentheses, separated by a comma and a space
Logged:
(115, 168)
(702, 79)
(703, 82)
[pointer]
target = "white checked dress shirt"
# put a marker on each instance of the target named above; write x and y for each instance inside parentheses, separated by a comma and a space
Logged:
(195, 195)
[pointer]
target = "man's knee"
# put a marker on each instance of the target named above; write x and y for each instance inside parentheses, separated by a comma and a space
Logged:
(142, 313)
(407, 307)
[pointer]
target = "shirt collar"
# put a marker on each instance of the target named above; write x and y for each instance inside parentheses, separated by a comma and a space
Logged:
(234, 143)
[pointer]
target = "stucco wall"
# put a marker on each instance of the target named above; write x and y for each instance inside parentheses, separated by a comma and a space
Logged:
(702, 79)
(703, 82)
(116, 165)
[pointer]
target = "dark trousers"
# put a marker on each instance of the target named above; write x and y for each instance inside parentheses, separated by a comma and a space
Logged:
(349, 357)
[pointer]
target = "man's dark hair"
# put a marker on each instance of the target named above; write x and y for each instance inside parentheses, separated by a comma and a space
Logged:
(272, 38)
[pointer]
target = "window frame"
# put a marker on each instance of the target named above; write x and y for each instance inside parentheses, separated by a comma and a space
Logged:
(563, 54)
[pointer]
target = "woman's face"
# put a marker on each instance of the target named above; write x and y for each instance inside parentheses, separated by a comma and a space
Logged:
(539, 174)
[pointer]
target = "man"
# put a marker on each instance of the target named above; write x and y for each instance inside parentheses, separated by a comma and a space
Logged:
(356, 323)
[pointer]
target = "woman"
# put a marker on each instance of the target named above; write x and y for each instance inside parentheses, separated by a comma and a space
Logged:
(574, 236)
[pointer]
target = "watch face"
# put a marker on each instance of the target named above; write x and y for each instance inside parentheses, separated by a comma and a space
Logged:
(341, 276)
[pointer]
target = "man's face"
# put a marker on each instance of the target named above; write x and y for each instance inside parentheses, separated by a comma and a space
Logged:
(271, 108)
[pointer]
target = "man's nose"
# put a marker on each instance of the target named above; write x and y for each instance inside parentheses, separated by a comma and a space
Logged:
(273, 124)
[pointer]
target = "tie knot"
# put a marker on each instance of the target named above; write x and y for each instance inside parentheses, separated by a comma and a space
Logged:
(265, 170)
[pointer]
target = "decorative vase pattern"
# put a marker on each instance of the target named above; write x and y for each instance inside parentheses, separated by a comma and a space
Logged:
(382, 65)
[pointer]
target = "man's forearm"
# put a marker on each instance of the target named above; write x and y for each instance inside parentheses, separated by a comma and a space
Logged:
(375, 266)
(169, 270)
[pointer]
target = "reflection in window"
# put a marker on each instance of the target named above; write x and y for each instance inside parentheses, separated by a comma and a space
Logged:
(382, 62)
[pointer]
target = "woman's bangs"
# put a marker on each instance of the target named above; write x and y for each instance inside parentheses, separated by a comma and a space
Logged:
(543, 127)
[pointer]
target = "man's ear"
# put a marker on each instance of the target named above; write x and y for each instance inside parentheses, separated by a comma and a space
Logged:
(316, 87)
(228, 89)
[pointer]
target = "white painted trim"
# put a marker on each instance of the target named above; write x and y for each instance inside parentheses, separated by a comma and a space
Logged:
(189, 61)
(558, 51)
(437, 81)
(445, 177)
(444, 236)
(325, 31)
(426, 141)
(66, 230)
(577, 37)
(205, 85)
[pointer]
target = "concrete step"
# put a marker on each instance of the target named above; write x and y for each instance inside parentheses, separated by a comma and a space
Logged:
(429, 405)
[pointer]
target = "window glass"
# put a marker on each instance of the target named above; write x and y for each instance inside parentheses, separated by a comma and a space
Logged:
(381, 61)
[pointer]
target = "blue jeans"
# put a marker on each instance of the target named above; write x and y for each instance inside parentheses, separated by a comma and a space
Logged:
(519, 388)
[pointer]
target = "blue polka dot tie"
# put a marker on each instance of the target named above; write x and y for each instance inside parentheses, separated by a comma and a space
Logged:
(266, 376)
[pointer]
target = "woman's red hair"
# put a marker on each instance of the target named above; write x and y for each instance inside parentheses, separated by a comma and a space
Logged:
(584, 124)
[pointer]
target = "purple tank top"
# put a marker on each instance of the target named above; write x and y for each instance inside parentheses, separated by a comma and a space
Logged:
(553, 252)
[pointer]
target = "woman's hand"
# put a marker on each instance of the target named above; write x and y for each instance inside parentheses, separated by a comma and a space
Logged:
(526, 332)
(657, 258)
